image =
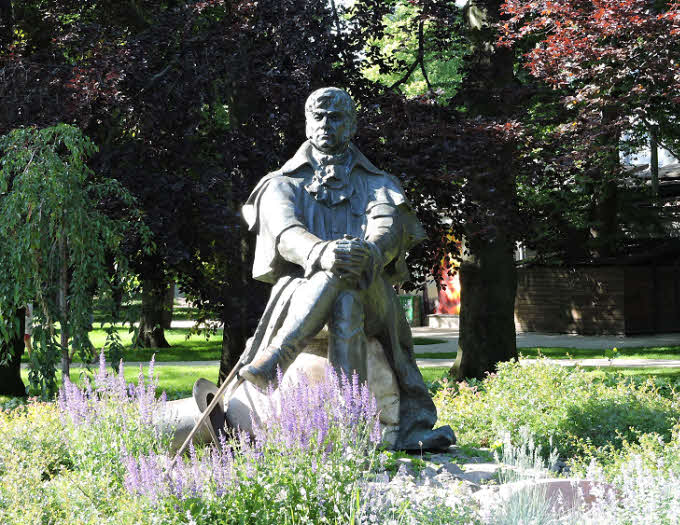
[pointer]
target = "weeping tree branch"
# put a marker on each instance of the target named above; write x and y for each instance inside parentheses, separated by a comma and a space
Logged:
(418, 61)
(421, 55)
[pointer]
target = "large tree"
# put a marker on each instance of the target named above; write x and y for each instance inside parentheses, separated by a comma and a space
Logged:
(487, 271)
(456, 153)
(192, 103)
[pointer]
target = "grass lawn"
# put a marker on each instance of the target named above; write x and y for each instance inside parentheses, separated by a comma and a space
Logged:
(179, 313)
(433, 373)
(184, 346)
(427, 341)
(176, 380)
(195, 348)
(657, 352)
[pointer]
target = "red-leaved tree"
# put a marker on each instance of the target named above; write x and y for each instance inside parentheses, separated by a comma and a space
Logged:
(617, 64)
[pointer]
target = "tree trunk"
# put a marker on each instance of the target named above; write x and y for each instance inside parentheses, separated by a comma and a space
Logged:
(169, 306)
(151, 331)
(233, 343)
(488, 277)
(604, 229)
(10, 373)
(604, 220)
(63, 307)
(488, 283)
(117, 289)
(654, 160)
(236, 326)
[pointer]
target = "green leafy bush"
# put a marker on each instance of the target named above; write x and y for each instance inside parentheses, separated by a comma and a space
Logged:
(582, 413)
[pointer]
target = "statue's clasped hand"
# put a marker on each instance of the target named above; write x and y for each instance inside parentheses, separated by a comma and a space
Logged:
(348, 258)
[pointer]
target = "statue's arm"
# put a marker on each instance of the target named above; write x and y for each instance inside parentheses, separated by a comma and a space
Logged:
(301, 247)
(392, 226)
(384, 232)
(278, 217)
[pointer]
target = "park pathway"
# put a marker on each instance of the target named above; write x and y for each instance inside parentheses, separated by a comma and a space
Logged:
(525, 339)
(540, 340)
(429, 362)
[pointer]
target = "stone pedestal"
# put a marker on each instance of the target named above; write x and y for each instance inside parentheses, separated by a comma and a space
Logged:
(247, 402)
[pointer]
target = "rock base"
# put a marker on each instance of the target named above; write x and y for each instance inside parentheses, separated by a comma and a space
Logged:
(382, 382)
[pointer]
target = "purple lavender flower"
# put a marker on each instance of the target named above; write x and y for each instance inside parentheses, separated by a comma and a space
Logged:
(307, 425)
(152, 365)
(132, 479)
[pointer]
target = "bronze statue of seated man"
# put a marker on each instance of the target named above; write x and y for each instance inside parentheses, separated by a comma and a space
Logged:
(332, 234)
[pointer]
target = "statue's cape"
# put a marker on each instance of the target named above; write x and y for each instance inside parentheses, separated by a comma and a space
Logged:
(376, 187)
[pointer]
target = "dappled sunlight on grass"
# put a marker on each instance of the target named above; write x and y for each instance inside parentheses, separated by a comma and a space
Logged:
(176, 380)
(434, 373)
(656, 352)
(195, 348)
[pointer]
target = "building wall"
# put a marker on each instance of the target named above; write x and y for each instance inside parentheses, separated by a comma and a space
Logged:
(593, 300)
(584, 300)
(652, 302)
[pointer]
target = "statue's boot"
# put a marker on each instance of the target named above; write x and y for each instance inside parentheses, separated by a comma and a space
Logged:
(262, 370)
(309, 309)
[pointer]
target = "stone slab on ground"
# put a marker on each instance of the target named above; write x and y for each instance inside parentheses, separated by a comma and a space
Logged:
(561, 495)
(443, 479)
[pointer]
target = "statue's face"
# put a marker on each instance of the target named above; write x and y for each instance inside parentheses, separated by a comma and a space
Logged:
(329, 128)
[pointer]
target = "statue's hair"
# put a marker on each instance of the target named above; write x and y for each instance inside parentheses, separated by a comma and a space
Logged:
(335, 96)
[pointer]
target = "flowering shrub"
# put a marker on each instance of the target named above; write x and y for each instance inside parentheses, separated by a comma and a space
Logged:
(645, 494)
(110, 420)
(304, 460)
(63, 462)
(583, 414)
(95, 456)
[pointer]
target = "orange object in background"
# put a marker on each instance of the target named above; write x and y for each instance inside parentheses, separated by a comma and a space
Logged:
(448, 301)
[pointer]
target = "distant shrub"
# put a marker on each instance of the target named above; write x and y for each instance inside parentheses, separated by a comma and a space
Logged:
(580, 412)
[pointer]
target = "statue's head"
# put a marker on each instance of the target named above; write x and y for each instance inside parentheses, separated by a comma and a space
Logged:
(331, 119)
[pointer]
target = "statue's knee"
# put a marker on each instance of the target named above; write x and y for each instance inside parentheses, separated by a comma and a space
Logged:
(325, 279)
